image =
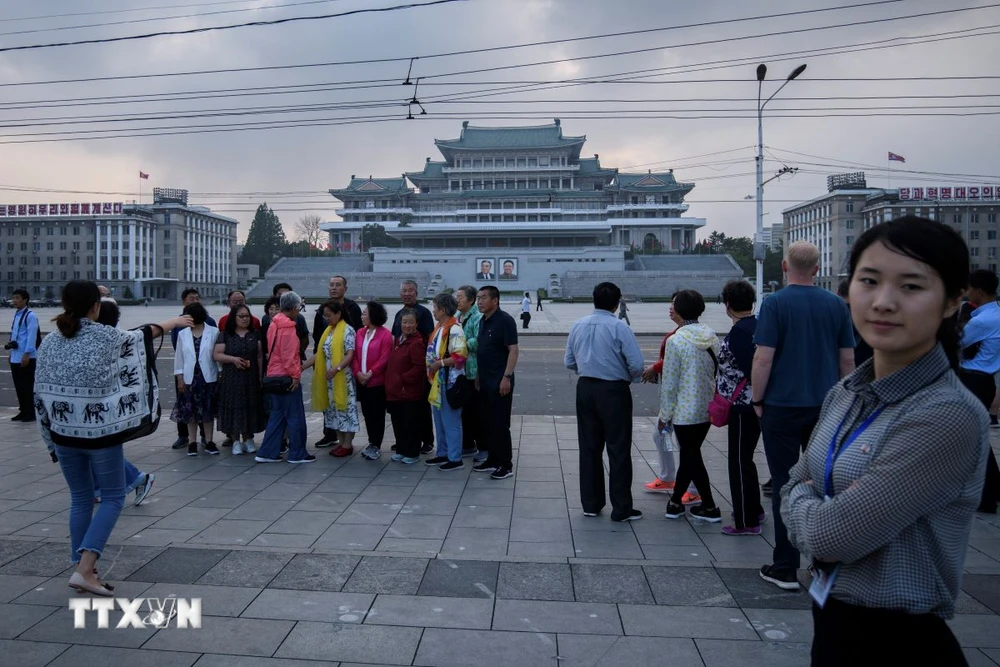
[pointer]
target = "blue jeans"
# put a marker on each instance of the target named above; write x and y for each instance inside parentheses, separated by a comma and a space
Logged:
(131, 479)
(448, 427)
(89, 530)
(287, 411)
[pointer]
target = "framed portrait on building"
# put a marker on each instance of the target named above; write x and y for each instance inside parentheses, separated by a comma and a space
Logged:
(508, 268)
(486, 268)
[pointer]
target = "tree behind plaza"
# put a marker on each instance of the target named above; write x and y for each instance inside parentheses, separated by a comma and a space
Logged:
(266, 240)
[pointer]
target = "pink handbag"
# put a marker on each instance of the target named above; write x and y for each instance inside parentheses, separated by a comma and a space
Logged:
(718, 409)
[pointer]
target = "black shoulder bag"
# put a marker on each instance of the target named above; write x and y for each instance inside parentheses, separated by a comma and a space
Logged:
(459, 394)
(276, 384)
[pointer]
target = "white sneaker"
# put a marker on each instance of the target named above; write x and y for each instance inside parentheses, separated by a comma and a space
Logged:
(371, 452)
(249, 447)
(237, 447)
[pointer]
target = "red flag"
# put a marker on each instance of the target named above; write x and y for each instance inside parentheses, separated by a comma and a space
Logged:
(896, 158)
(143, 176)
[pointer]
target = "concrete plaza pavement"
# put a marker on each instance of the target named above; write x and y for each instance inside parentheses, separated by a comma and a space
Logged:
(356, 562)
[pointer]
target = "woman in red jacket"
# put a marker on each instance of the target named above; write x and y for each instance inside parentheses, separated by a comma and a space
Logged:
(404, 388)
(371, 354)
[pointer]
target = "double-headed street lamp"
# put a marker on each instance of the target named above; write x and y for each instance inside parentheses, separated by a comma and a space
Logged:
(759, 251)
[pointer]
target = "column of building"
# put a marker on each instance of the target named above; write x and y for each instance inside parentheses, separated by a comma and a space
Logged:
(97, 250)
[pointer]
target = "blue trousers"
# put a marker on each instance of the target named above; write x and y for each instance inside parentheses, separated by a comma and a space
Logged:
(448, 427)
(89, 529)
(287, 412)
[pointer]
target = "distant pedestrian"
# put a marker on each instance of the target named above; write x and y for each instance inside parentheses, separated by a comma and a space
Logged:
(525, 311)
(623, 312)
(538, 301)
(606, 356)
(888, 546)
(862, 350)
(805, 344)
(24, 339)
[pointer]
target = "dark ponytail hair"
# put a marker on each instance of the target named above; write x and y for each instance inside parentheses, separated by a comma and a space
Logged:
(938, 246)
(78, 298)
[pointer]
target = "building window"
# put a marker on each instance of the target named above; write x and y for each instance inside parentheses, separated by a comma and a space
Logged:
(50, 231)
(24, 247)
(50, 246)
(974, 251)
(50, 260)
(63, 231)
(975, 218)
(36, 261)
(957, 218)
(76, 231)
(991, 235)
(992, 252)
(62, 244)
(36, 246)
(166, 233)
(974, 235)
(62, 260)
(76, 260)
(849, 239)
(849, 224)
(849, 207)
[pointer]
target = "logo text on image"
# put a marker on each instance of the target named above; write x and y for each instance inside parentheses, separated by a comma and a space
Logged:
(139, 613)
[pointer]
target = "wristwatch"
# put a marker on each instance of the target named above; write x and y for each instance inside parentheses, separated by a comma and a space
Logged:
(756, 403)
(509, 376)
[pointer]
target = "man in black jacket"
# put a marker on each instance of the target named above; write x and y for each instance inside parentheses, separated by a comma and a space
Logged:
(425, 325)
(351, 315)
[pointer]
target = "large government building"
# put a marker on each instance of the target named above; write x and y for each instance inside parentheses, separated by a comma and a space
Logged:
(515, 205)
(152, 250)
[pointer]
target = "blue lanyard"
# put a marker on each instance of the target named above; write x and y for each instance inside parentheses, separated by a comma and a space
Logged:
(834, 453)
(19, 323)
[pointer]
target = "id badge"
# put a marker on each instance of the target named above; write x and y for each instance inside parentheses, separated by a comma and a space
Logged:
(822, 583)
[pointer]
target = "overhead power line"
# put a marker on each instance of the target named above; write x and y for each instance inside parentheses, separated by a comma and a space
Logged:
(249, 24)
(130, 10)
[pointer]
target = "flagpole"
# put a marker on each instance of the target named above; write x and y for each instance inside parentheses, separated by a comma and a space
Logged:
(888, 170)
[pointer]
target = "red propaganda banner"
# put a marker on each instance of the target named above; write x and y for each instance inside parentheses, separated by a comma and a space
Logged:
(940, 193)
(29, 210)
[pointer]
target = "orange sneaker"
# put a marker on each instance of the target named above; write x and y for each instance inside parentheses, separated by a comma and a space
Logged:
(691, 498)
(659, 486)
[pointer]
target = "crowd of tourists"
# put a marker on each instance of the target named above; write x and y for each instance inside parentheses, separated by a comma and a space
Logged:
(855, 396)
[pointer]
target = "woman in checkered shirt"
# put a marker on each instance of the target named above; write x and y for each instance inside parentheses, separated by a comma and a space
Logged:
(888, 545)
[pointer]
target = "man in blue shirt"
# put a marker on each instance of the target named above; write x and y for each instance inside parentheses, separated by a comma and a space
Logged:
(805, 344)
(981, 362)
(605, 354)
(22, 346)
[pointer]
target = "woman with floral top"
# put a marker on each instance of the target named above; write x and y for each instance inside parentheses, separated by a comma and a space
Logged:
(688, 386)
(446, 355)
(733, 383)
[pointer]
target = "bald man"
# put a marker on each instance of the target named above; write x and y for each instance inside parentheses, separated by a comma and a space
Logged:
(805, 344)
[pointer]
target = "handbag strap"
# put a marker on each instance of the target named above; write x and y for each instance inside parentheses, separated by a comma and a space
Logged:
(739, 388)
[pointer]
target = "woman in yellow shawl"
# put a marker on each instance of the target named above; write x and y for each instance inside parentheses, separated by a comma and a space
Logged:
(333, 391)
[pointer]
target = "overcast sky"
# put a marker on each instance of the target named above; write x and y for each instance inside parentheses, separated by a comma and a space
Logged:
(307, 161)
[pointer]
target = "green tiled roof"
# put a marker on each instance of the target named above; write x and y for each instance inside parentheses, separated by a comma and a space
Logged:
(432, 170)
(373, 186)
(591, 166)
(650, 182)
(541, 136)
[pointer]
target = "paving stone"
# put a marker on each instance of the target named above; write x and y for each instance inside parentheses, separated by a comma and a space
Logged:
(153, 537)
(410, 545)
(540, 489)
(480, 516)
(698, 622)
(387, 575)
(104, 655)
(285, 491)
(535, 581)
(548, 475)
(325, 502)
(369, 514)
(395, 476)
(179, 566)
(283, 541)
(191, 518)
(723, 653)
(230, 532)
(530, 508)
(562, 549)
(431, 505)
(30, 654)
(976, 630)
(310, 606)
(16, 618)
(351, 537)
(540, 530)
(353, 485)
(46, 560)
(58, 627)
(695, 586)
(216, 600)
(752, 592)
(453, 648)
(966, 604)
(611, 583)
(438, 487)
(356, 643)
(13, 585)
(215, 660)
(251, 569)
(985, 588)
(475, 542)
(460, 578)
(189, 488)
(303, 523)
(431, 612)
(782, 625)
(977, 658)
(392, 494)
(489, 497)
(608, 651)
(593, 544)
(55, 592)
(420, 527)
(228, 498)
(236, 636)
(544, 616)
(316, 572)
(11, 550)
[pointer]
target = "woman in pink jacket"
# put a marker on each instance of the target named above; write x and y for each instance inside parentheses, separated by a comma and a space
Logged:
(371, 354)
(287, 409)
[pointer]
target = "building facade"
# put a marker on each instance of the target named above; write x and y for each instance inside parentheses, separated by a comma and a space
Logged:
(148, 250)
(835, 220)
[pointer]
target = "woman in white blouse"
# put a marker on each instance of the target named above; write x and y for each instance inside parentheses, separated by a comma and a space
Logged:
(196, 372)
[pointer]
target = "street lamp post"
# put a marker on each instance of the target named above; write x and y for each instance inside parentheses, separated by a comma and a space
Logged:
(759, 250)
